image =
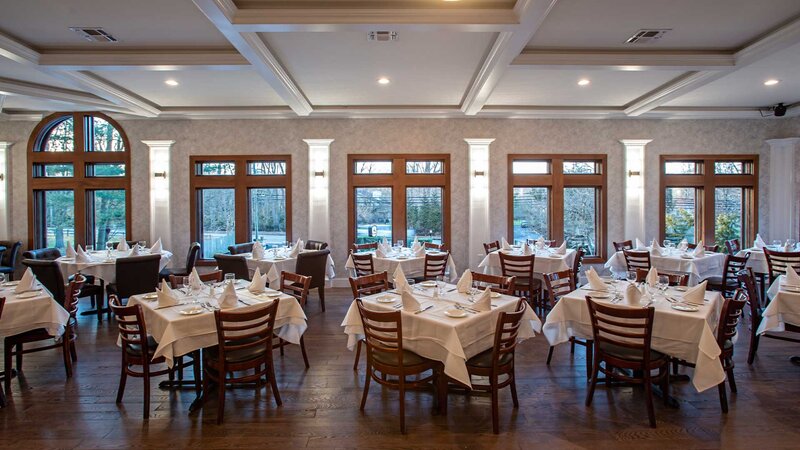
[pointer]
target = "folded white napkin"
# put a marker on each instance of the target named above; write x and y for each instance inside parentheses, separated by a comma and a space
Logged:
(415, 245)
(484, 301)
(465, 282)
(81, 256)
(539, 242)
(194, 280)
(420, 251)
(562, 249)
(384, 242)
(526, 249)
(759, 243)
(259, 282)
(70, 251)
(696, 295)
(123, 246)
(380, 252)
(656, 249)
(166, 297)
(640, 245)
(652, 277)
(298, 246)
(228, 298)
(400, 281)
(274, 277)
(787, 247)
(594, 280)
(258, 251)
(700, 250)
(504, 244)
(386, 248)
(27, 281)
(633, 295)
(134, 251)
(791, 277)
(410, 303)
(157, 247)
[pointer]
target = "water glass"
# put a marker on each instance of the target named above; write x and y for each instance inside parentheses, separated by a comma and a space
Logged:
(230, 278)
(142, 244)
(663, 284)
(630, 276)
(546, 245)
(89, 248)
(776, 244)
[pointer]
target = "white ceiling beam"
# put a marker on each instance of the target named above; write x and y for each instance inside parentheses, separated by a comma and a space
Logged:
(253, 48)
(506, 47)
(155, 60)
(625, 61)
(23, 88)
(15, 50)
(113, 93)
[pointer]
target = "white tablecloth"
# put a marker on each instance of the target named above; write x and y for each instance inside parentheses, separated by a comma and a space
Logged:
(709, 265)
(757, 260)
(21, 315)
(178, 334)
(783, 308)
(689, 336)
(436, 336)
(273, 267)
(412, 266)
(545, 262)
(101, 267)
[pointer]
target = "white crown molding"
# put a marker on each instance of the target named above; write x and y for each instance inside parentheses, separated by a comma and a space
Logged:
(669, 91)
(158, 60)
(17, 51)
(41, 91)
(635, 142)
(777, 40)
(624, 60)
(113, 93)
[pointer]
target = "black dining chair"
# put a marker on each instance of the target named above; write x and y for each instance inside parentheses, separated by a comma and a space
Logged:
(8, 259)
(316, 245)
(234, 264)
(314, 265)
(237, 249)
(135, 275)
(191, 259)
(47, 254)
(49, 274)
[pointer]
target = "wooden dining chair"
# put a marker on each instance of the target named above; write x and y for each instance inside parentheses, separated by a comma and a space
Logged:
(777, 262)
(369, 246)
(234, 264)
(238, 249)
(391, 365)
(675, 279)
(209, 277)
(558, 285)
(577, 264)
(521, 268)
(622, 338)
(14, 346)
(297, 286)
(728, 282)
(432, 246)
(636, 259)
(138, 349)
(7, 368)
(490, 247)
(314, 264)
(362, 264)
(497, 283)
(624, 245)
(365, 286)
(733, 246)
(499, 361)
(435, 266)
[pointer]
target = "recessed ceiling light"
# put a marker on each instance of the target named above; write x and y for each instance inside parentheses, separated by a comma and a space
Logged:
(383, 80)
(171, 82)
(583, 82)
(771, 82)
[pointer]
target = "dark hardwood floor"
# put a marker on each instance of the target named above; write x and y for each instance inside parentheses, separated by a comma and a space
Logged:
(320, 406)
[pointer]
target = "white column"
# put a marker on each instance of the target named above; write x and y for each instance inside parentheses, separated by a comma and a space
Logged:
(634, 188)
(783, 196)
(478, 199)
(319, 152)
(5, 149)
(160, 219)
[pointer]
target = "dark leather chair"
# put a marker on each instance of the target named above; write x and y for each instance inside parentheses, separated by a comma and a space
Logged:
(191, 259)
(313, 264)
(237, 249)
(48, 254)
(49, 274)
(8, 259)
(233, 264)
(135, 275)
(2, 390)
(316, 245)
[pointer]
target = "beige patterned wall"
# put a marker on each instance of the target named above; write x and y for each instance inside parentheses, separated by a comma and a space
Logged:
(212, 137)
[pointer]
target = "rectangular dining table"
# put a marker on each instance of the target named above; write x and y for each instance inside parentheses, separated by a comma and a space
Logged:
(546, 261)
(689, 336)
(698, 268)
(273, 263)
(434, 335)
(413, 266)
(783, 308)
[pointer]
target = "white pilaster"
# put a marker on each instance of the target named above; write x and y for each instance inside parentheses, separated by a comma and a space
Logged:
(634, 188)
(783, 195)
(319, 153)
(5, 148)
(160, 214)
(478, 199)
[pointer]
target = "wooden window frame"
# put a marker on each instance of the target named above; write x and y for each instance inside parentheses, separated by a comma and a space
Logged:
(556, 181)
(241, 182)
(399, 180)
(705, 183)
(79, 183)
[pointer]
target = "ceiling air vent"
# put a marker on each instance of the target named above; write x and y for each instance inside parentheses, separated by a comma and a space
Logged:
(94, 34)
(382, 36)
(647, 36)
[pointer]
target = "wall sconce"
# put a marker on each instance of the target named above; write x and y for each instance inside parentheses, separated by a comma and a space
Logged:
(2, 176)
(319, 173)
(480, 173)
(160, 175)
(634, 173)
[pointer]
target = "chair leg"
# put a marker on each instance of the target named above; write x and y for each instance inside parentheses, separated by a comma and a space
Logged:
(303, 350)
(197, 371)
(367, 379)
(441, 380)
(751, 354)
(321, 291)
(664, 373)
(514, 398)
(731, 380)
(221, 397)
(723, 397)
(402, 385)
(19, 348)
(572, 346)
(146, 408)
(592, 383)
(648, 394)
(67, 356)
(358, 355)
(123, 377)
(73, 351)
(495, 412)
(274, 383)
(550, 354)
(281, 344)
(7, 367)
(589, 356)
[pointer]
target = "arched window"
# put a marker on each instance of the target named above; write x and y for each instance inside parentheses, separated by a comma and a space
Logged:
(79, 181)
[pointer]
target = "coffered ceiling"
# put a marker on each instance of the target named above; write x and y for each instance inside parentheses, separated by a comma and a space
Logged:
(485, 58)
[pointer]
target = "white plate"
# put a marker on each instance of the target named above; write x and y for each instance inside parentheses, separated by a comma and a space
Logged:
(11, 283)
(402, 257)
(67, 259)
(601, 295)
(192, 310)
(386, 299)
(687, 256)
(428, 283)
(455, 313)
(681, 288)
(150, 296)
(686, 308)
(31, 294)
(273, 294)
(495, 295)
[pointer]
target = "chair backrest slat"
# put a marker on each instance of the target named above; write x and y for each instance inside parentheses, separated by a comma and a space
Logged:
(365, 247)
(489, 247)
(631, 328)
(559, 284)
(296, 285)
(506, 332)
(637, 259)
(497, 283)
(237, 330)
(362, 263)
(519, 266)
(675, 279)
(733, 246)
(730, 317)
(435, 265)
(777, 262)
(369, 284)
(624, 245)
(383, 331)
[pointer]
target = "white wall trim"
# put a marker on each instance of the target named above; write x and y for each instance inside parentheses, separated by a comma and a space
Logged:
(160, 211)
(5, 172)
(783, 209)
(319, 227)
(479, 225)
(634, 156)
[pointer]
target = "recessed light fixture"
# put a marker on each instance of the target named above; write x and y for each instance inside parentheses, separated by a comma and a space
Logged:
(771, 82)
(583, 82)
(383, 80)
(171, 82)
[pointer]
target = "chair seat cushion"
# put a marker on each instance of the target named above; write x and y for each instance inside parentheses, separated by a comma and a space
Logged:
(165, 273)
(240, 355)
(6, 269)
(136, 350)
(621, 352)
(484, 359)
(390, 359)
(523, 283)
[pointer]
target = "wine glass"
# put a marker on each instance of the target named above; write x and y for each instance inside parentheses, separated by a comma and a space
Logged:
(183, 284)
(546, 245)
(142, 244)
(663, 284)
(776, 244)
(230, 278)
(473, 290)
(89, 248)
(630, 276)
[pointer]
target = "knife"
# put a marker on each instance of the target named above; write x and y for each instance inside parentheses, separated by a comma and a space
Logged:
(424, 309)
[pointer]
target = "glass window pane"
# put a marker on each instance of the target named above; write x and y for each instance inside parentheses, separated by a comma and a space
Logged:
(105, 170)
(680, 205)
(680, 168)
(216, 168)
(59, 219)
(729, 168)
(581, 167)
(266, 168)
(373, 167)
(106, 138)
(530, 167)
(531, 213)
(373, 214)
(424, 214)
(218, 229)
(728, 208)
(580, 218)
(268, 215)
(108, 207)
(53, 170)
(61, 137)
(424, 167)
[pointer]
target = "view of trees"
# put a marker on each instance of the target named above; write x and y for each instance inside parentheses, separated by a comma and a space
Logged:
(580, 218)
(424, 214)
(219, 223)
(268, 215)
(373, 209)
(680, 214)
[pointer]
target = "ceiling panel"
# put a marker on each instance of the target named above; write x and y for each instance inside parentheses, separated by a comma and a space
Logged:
(695, 24)
(522, 86)
(198, 87)
(380, 4)
(426, 68)
(136, 23)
